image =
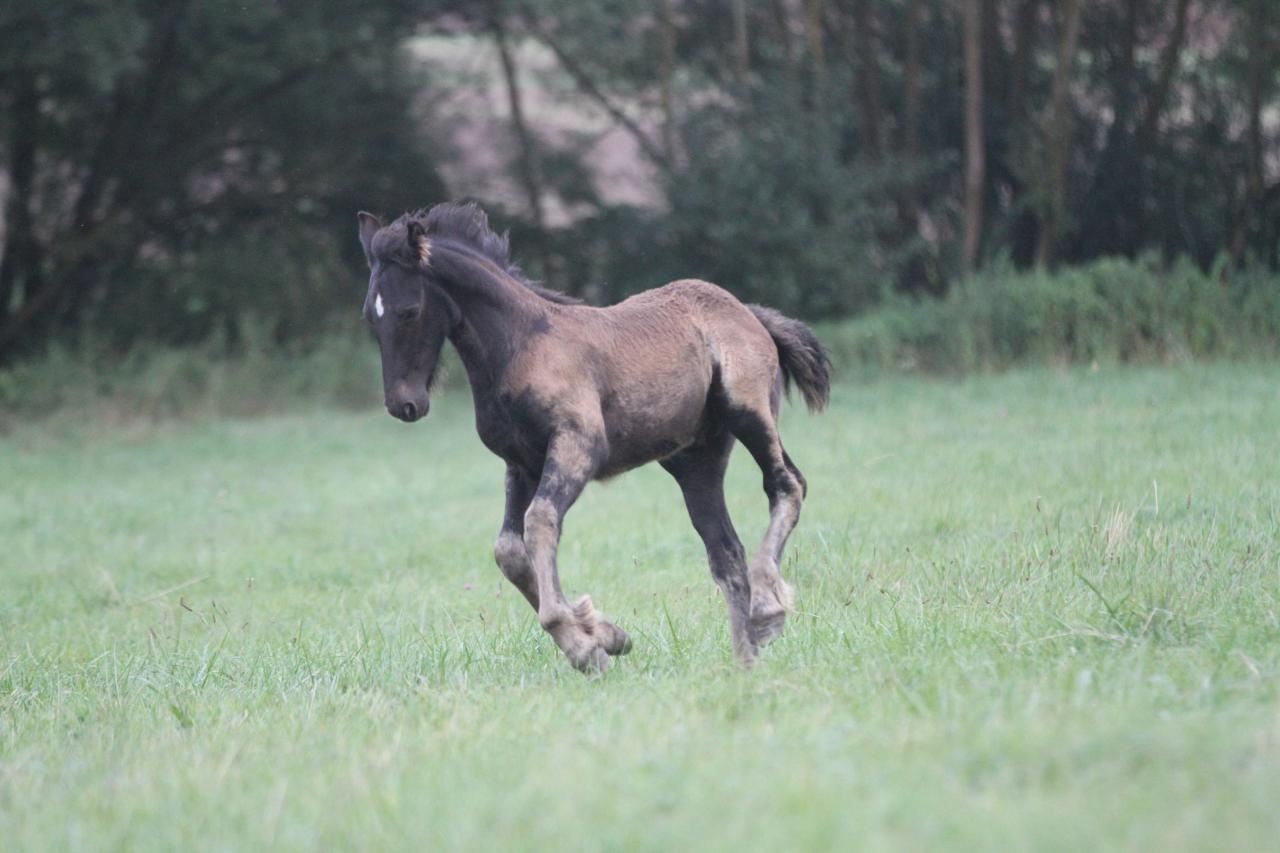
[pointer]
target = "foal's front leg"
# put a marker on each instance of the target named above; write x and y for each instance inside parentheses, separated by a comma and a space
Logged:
(585, 637)
(509, 550)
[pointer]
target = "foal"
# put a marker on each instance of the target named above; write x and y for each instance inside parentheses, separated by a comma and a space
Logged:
(566, 393)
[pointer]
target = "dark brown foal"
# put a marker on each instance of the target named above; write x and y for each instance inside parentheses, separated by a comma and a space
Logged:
(566, 394)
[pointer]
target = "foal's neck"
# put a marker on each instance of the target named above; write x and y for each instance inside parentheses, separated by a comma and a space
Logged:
(496, 310)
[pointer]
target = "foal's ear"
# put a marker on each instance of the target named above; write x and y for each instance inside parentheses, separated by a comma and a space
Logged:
(369, 226)
(419, 245)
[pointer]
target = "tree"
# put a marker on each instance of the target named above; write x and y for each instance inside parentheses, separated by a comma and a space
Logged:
(153, 127)
(1058, 135)
(169, 165)
(530, 173)
(1259, 65)
(974, 141)
(869, 96)
(911, 98)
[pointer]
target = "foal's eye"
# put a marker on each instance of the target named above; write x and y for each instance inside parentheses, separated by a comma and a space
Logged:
(407, 314)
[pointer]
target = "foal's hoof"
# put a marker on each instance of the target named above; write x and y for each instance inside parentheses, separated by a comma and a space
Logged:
(767, 626)
(747, 654)
(609, 636)
(769, 613)
(613, 639)
(590, 639)
(590, 661)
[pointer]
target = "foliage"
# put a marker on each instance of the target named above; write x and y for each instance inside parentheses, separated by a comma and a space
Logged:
(176, 164)
(774, 217)
(154, 381)
(169, 167)
(826, 135)
(738, 211)
(1110, 310)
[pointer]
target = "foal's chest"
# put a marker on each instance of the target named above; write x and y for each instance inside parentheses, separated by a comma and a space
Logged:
(515, 427)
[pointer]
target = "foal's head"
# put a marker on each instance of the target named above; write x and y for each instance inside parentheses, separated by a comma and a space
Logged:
(410, 314)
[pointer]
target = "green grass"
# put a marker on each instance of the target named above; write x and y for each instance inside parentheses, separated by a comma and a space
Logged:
(1037, 610)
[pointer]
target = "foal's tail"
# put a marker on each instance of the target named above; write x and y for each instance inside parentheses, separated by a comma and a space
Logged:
(803, 358)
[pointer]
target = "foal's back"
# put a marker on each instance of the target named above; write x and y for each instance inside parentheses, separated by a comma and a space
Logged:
(650, 364)
(696, 323)
(688, 326)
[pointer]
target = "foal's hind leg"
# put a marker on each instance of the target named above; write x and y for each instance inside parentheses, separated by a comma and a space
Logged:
(700, 473)
(757, 428)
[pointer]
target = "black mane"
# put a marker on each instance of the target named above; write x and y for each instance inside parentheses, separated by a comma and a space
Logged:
(465, 223)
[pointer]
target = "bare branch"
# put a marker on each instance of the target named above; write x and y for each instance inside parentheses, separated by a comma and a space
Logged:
(596, 94)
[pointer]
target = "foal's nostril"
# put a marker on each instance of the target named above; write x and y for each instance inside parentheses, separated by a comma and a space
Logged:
(409, 411)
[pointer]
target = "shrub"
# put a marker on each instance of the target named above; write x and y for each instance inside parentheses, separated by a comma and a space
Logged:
(153, 381)
(1110, 310)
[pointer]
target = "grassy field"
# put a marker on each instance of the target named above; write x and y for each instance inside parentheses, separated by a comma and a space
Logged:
(1039, 610)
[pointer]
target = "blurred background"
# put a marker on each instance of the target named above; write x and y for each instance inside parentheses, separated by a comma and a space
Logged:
(942, 185)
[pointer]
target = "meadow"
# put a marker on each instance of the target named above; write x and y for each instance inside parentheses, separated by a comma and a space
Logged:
(1038, 610)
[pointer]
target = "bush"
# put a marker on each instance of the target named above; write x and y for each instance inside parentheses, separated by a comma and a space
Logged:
(1110, 310)
(153, 381)
(1107, 311)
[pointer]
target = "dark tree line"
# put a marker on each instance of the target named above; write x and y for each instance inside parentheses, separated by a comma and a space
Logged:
(830, 149)
(169, 165)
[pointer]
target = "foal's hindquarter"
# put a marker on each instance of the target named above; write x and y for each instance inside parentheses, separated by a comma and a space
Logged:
(672, 375)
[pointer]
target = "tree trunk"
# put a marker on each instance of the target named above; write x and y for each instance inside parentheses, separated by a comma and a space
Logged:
(1058, 144)
(1109, 221)
(1025, 224)
(1023, 49)
(911, 102)
(530, 175)
(119, 153)
(974, 141)
(592, 91)
(1254, 191)
(995, 63)
(741, 47)
(817, 53)
(792, 75)
(1168, 65)
(782, 20)
(20, 264)
(667, 74)
(868, 88)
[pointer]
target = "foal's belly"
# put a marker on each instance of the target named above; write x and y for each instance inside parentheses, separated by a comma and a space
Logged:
(652, 425)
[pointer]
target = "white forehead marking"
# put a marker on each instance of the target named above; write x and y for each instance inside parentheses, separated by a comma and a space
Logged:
(377, 306)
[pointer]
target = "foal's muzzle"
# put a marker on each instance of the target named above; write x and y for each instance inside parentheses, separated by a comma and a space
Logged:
(407, 406)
